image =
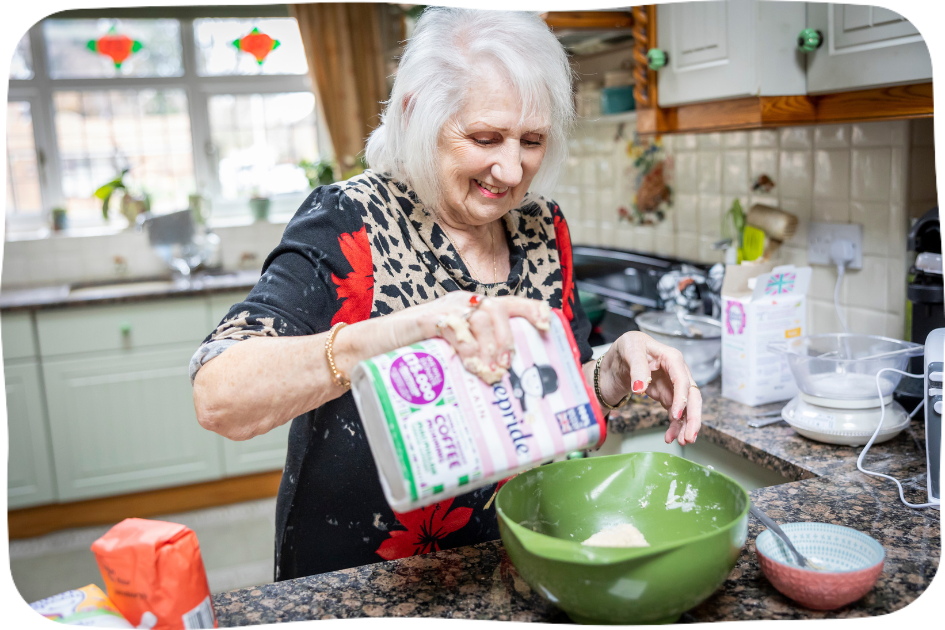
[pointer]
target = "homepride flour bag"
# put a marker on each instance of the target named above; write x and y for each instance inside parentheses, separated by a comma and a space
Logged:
(437, 431)
(154, 575)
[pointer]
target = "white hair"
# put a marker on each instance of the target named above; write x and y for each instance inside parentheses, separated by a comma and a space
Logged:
(447, 52)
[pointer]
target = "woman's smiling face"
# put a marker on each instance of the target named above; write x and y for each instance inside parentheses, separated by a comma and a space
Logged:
(489, 154)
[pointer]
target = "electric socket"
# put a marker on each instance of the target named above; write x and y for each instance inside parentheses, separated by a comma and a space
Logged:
(821, 235)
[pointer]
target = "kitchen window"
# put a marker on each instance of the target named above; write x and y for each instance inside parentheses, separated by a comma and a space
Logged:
(169, 95)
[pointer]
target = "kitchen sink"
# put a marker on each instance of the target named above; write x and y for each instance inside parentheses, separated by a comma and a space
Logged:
(749, 474)
(154, 284)
(117, 288)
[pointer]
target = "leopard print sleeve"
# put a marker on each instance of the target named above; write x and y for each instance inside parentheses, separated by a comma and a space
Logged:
(321, 273)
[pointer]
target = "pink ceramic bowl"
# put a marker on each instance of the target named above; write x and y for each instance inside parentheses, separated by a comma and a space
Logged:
(853, 560)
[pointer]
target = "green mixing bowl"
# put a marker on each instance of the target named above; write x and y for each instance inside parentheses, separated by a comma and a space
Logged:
(695, 539)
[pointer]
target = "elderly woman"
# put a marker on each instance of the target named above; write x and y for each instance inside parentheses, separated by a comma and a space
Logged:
(450, 221)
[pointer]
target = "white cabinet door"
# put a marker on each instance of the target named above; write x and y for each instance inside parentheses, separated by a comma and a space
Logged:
(730, 49)
(125, 422)
(864, 47)
(30, 475)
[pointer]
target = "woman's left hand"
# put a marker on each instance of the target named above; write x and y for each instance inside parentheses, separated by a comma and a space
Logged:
(636, 362)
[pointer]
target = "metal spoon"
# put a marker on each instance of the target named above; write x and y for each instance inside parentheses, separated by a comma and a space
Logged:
(802, 561)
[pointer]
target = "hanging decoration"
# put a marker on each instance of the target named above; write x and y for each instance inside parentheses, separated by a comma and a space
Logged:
(259, 45)
(114, 46)
(652, 195)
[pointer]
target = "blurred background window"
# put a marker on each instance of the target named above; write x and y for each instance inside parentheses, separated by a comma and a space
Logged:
(23, 190)
(87, 49)
(217, 55)
(260, 140)
(21, 68)
(101, 133)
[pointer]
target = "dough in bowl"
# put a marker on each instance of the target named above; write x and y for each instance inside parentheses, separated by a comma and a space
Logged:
(625, 535)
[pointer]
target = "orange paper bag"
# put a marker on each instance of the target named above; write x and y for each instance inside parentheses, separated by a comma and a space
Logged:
(154, 575)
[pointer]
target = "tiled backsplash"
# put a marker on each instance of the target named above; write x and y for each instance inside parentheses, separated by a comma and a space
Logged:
(857, 173)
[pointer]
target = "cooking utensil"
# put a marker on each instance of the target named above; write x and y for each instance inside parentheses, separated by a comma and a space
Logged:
(702, 354)
(757, 424)
(802, 561)
(694, 518)
(853, 562)
(843, 367)
(687, 330)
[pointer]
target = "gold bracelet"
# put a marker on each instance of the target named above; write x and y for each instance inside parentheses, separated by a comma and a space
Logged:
(329, 343)
(600, 399)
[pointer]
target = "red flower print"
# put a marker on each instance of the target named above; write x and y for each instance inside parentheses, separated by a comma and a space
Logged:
(425, 528)
(357, 288)
(563, 239)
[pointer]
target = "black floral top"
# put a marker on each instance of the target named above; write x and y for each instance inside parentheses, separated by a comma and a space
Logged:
(365, 248)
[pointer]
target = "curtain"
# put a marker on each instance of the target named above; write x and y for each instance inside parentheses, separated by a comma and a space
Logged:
(346, 62)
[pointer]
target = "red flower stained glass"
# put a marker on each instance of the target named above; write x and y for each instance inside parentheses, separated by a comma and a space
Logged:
(425, 528)
(116, 47)
(259, 45)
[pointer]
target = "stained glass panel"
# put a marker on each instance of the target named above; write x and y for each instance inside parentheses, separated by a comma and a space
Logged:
(23, 195)
(71, 56)
(22, 65)
(218, 56)
(260, 139)
(102, 132)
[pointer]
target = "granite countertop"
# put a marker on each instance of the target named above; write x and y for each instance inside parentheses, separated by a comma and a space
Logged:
(122, 291)
(479, 582)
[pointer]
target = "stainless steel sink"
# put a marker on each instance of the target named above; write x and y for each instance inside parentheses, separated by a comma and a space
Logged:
(156, 284)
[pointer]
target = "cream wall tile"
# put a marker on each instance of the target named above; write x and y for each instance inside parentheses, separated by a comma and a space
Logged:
(765, 200)
(823, 280)
(876, 134)
(589, 232)
(797, 138)
(624, 236)
(831, 211)
(665, 244)
(871, 172)
(796, 256)
(685, 142)
(709, 165)
(686, 208)
(608, 233)
(832, 175)
(796, 172)
(822, 317)
(644, 239)
(709, 140)
(590, 204)
(831, 136)
(874, 216)
(710, 216)
(589, 174)
(707, 254)
(867, 287)
(576, 230)
(899, 137)
(764, 138)
(686, 174)
(764, 162)
(896, 235)
(899, 174)
(687, 246)
(896, 291)
(735, 139)
(866, 322)
(605, 171)
(735, 173)
(896, 326)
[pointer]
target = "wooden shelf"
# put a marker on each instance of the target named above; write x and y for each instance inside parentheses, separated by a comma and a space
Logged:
(889, 103)
(594, 20)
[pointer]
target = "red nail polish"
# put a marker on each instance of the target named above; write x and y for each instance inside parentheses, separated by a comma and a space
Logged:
(679, 414)
(638, 386)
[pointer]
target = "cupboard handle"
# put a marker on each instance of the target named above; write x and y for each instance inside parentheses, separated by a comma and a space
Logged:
(810, 40)
(656, 58)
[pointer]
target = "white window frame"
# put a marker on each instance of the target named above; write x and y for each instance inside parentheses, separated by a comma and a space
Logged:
(39, 91)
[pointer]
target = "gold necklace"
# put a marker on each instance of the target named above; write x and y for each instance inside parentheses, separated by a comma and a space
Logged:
(495, 273)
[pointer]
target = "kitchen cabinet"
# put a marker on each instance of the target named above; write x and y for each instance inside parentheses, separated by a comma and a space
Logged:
(30, 479)
(720, 50)
(864, 46)
(263, 452)
(125, 422)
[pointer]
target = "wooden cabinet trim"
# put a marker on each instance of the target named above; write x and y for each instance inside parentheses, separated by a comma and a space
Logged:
(888, 103)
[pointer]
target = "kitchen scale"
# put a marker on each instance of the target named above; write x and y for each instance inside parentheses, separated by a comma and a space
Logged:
(838, 400)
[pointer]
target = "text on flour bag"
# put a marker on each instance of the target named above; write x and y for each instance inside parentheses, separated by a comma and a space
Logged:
(154, 575)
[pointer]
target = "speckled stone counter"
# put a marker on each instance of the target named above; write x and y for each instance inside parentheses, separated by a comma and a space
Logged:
(124, 291)
(479, 582)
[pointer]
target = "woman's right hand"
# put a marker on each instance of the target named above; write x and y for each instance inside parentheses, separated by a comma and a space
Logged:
(478, 328)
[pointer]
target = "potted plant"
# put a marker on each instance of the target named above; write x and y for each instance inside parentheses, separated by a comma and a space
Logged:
(319, 173)
(131, 204)
(259, 205)
(59, 219)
